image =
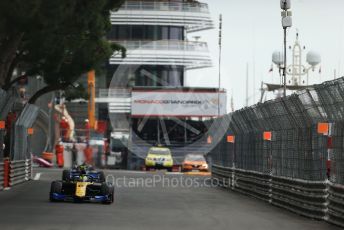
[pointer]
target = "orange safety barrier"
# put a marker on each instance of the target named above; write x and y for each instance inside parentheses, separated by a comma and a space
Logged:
(88, 153)
(59, 149)
(30, 131)
(48, 156)
(2, 125)
(230, 139)
(60, 160)
(267, 136)
(323, 128)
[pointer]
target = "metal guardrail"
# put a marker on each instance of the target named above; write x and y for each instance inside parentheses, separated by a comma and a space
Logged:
(224, 176)
(13, 173)
(20, 171)
(165, 6)
(336, 204)
(253, 183)
(250, 183)
(307, 198)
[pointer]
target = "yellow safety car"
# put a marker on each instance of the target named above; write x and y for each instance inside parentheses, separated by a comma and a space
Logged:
(159, 158)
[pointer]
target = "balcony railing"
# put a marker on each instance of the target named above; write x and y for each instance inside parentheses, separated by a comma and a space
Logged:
(114, 93)
(165, 45)
(165, 6)
(192, 55)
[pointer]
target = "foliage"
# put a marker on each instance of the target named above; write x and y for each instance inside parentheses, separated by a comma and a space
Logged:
(59, 40)
(78, 92)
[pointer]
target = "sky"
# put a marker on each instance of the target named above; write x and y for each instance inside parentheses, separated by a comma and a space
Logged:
(252, 31)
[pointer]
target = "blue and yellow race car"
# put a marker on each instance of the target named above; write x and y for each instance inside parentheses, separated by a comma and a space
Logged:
(82, 186)
(77, 171)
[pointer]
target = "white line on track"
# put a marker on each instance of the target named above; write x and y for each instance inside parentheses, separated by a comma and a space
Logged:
(37, 176)
(174, 173)
(149, 172)
(127, 171)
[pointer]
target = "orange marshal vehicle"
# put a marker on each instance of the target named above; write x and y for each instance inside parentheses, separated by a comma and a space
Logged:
(194, 162)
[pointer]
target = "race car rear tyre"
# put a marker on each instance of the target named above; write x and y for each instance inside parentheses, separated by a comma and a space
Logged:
(102, 177)
(56, 187)
(66, 175)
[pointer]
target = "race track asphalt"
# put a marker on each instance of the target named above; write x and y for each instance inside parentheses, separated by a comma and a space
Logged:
(146, 201)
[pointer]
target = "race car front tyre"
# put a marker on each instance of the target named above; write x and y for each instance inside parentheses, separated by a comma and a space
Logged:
(109, 191)
(112, 194)
(56, 187)
(66, 175)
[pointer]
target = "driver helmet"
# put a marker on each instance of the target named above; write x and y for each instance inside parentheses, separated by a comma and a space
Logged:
(82, 169)
(83, 178)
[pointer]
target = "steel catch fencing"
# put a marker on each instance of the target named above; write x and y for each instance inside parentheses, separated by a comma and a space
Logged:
(25, 121)
(6, 102)
(296, 167)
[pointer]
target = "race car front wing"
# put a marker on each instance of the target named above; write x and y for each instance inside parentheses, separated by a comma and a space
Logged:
(64, 197)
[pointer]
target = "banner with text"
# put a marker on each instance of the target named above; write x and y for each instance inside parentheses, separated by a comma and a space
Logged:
(178, 103)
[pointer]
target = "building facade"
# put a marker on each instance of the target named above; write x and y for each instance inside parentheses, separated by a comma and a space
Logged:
(156, 35)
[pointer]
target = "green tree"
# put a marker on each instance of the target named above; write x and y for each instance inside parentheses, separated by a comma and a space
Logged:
(76, 92)
(59, 40)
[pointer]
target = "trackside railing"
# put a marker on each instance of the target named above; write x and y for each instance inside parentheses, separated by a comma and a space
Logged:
(13, 173)
(335, 214)
(288, 152)
(20, 171)
(307, 198)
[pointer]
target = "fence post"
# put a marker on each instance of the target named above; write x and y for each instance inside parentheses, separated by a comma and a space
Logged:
(6, 173)
(2, 134)
(31, 167)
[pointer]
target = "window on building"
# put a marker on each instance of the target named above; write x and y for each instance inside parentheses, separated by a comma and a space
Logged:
(151, 33)
(137, 32)
(123, 33)
(112, 34)
(176, 33)
(164, 33)
(147, 32)
(175, 78)
(159, 76)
